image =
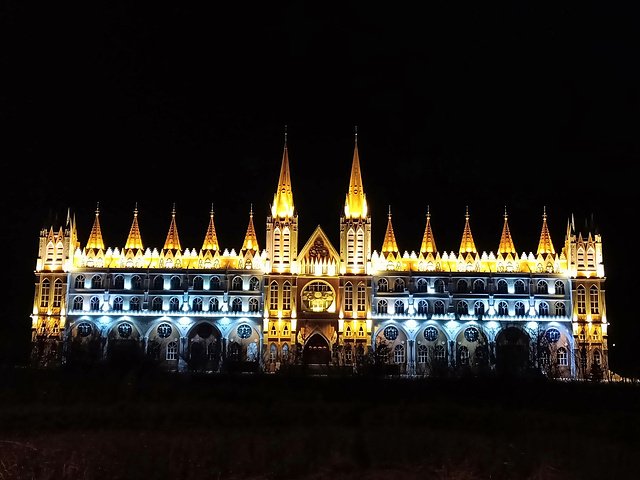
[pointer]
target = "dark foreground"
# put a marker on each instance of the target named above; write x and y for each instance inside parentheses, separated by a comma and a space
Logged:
(100, 425)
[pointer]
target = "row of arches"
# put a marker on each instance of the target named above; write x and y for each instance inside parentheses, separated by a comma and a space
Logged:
(165, 282)
(162, 303)
(463, 307)
(502, 286)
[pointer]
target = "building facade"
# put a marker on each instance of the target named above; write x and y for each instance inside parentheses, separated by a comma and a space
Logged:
(423, 313)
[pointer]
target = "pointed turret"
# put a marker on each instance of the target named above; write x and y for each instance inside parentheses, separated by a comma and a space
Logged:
(134, 241)
(467, 245)
(428, 241)
(250, 239)
(173, 241)
(389, 244)
(545, 245)
(95, 238)
(283, 199)
(355, 205)
(506, 242)
(211, 239)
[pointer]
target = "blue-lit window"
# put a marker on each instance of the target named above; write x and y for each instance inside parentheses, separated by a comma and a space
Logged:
(431, 334)
(124, 330)
(390, 333)
(552, 335)
(164, 330)
(84, 329)
(244, 331)
(471, 334)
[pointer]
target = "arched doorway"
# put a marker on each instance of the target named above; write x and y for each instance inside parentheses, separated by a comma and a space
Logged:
(316, 350)
(512, 350)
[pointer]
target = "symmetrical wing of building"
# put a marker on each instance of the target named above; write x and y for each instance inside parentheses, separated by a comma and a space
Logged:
(350, 306)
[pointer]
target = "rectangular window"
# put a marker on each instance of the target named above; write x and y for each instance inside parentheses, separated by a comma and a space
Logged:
(286, 296)
(362, 300)
(273, 296)
(172, 351)
(594, 300)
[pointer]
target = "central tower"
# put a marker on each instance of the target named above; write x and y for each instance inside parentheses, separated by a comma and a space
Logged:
(355, 224)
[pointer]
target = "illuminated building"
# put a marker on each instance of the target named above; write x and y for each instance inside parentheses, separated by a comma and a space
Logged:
(418, 313)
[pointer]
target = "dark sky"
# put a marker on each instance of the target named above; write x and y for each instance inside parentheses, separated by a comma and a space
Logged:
(523, 106)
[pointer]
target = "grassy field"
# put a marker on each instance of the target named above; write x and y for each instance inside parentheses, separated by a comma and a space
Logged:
(102, 425)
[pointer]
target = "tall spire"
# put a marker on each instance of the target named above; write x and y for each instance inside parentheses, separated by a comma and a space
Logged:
(428, 241)
(545, 245)
(250, 239)
(467, 245)
(506, 242)
(173, 241)
(283, 198)
(211, 239)
(389, 244)
(355, 204)
(95, 239)
(134, 240)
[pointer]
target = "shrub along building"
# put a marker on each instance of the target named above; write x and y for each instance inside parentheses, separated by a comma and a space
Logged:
(415, 314)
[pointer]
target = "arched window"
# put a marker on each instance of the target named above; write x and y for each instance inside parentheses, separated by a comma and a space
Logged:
(591, 259)
(597, 359)
(359, 249)
(348, 332)
(542, 287)
(361, 331)
(84, 329)
(463, 286)
(158, 282)
(286, 296)
(77, 303)
(520, 287)
(382, 306)
(362, 297)
(594, 298)
(117, 304)
(174, 304)
(348, 353)
(79, 283)
(422, 285)
(503, 309)
(423, 307)
(172, 351)
(118, 282)
(196, 305)
(478, 308)
(422, 354)
(134, 304)
(462, 307)
(214, 283)
(136, 282)
(273, 295)
(520, 309)
(94, 304)
(441, 354)
(252, 352)
(560, 309)
(543, 309)
(45, 292)
(254, 284)
(273, 353)
(57, 293)
(478, 286)
(439, 286)
(156, 304)
(383, 285)
(96, 281)
(236, 284)
(559, 287)
(399, 307)
(254, 305)
(175, 283)
(502, 286)
(563, 357)
(348, 297)
(285, 352)
(398, 354)
(198, 283)
(236, 305)
(463, 352)
(350, 246)
(214, 305)
(581, 257)
(438, 307)
(273, 331)
(581, 300)
(398, 285)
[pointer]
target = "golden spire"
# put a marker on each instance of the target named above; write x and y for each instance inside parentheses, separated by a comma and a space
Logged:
(283, 198)
(428, 241)
(211, 239)
(506, 242)
(250, 239)
(389, 244)
(467, 245)
(545, 245)
(134, 240)
(173, 241)
(95, 239)
(355, 204)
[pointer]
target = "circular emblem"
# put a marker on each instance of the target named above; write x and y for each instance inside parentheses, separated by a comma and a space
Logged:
(471, 334)
(553, 335)
(124, 330)
(84, 329)
(244, 331)
(164, 330)
(431, 334)
(390, 333)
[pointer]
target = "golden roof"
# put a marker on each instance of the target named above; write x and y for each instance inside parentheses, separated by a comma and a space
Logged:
(506, 242)
(283, 198)
(95, 238)
(428, 241)
(545, 245)
(467, 245)
(389, 244)
(355, 205)
(211, 239)
(250, 239)
(134, 240)
(173, 241)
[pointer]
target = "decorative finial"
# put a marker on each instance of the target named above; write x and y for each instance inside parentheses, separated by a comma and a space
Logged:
(428, 212)
(505, 212)
(285, 135)
(467, 212)
(356, 134)
(251, 210)
(211, 212)
(97, 208)
(544, 212)
(389, 211)
(135, 211)
(173, 212)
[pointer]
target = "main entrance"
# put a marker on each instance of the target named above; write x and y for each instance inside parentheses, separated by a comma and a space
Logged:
(512, 350)
(316, 351)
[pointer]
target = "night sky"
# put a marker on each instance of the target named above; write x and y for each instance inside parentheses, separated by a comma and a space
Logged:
(523, 106)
